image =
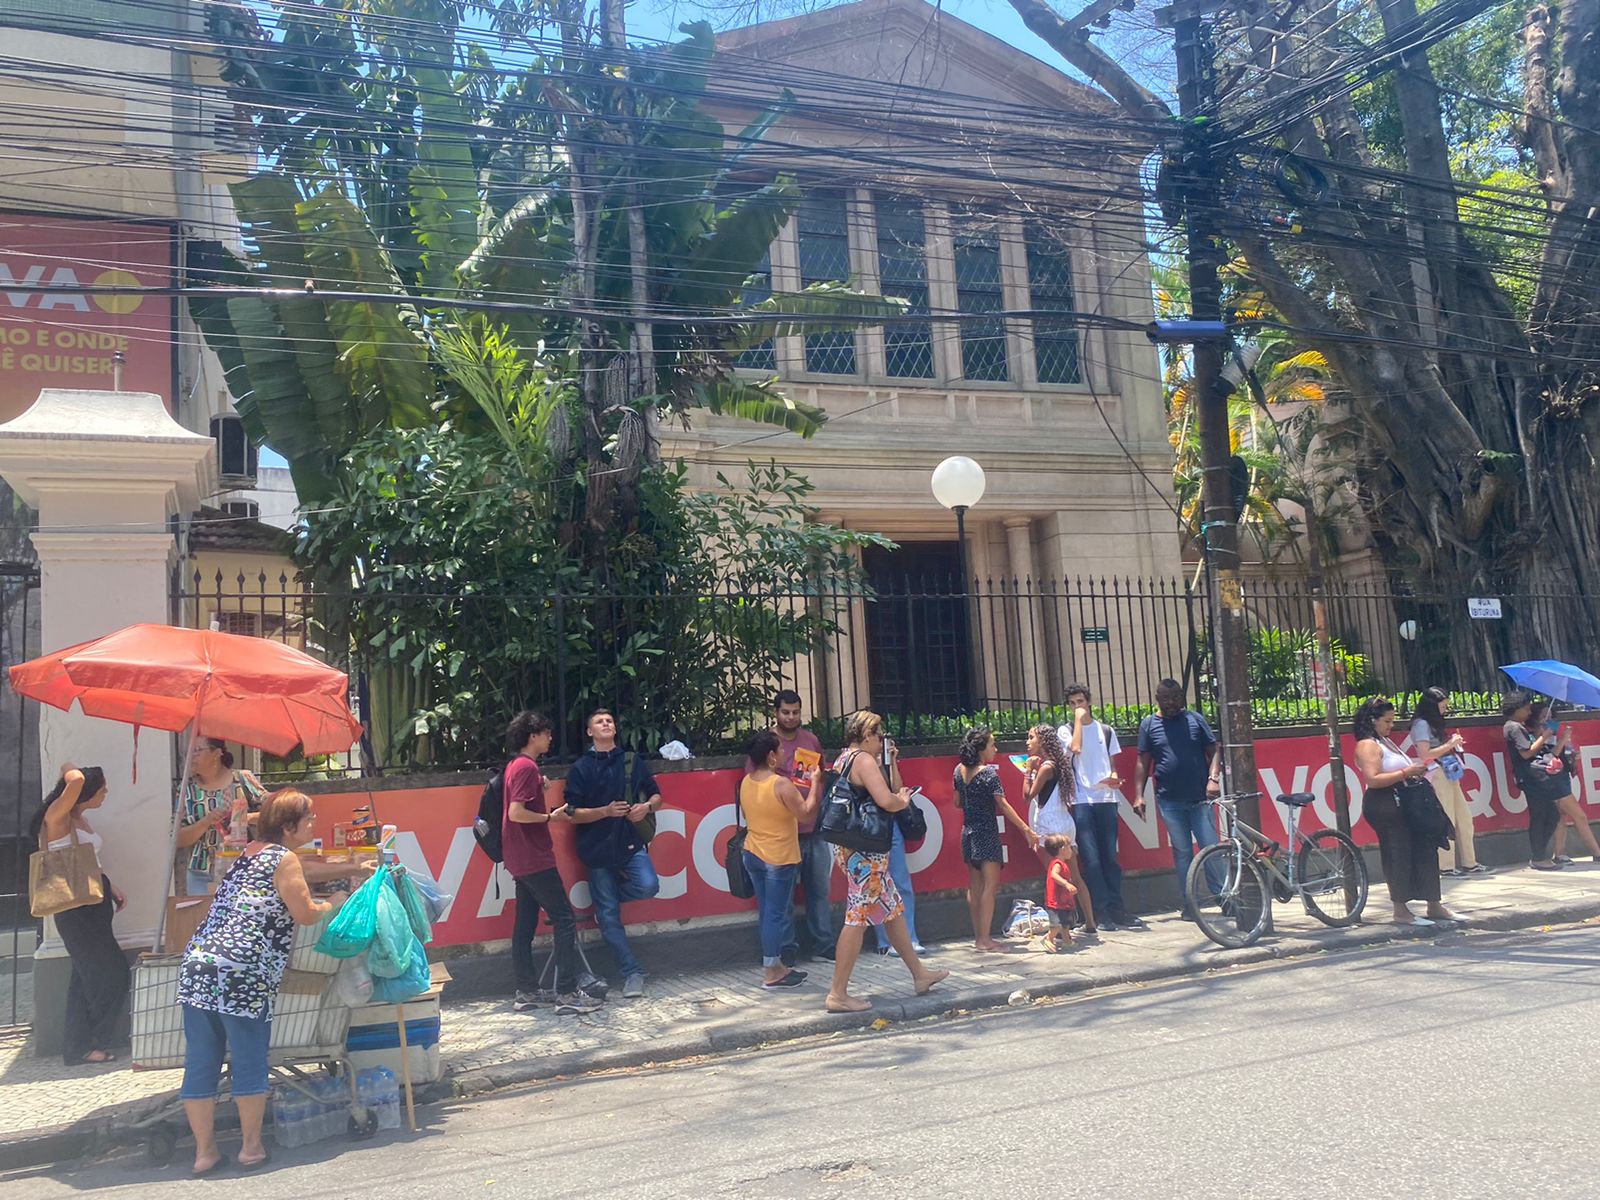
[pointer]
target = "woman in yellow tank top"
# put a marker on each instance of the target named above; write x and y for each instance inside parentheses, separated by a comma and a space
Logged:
(773, 809)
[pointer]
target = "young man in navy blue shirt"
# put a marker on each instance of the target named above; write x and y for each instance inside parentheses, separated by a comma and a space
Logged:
(607, 808)
(1177, 747)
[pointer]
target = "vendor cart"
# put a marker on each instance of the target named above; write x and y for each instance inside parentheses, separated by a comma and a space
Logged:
(309, 1025)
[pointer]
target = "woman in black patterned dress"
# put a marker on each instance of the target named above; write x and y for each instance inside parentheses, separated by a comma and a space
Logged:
(981, 799)
(231, 973)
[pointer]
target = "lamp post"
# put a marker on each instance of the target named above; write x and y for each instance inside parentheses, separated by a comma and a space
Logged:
(958, 484)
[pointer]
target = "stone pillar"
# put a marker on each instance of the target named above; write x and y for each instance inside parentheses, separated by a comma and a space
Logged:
(845, 680)
(1031, 672)
(105, 471)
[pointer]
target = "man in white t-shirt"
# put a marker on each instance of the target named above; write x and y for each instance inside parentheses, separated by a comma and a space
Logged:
(1094, 748)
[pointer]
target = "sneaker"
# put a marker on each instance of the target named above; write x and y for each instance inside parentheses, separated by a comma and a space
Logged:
(1110, 926)
(792, 980)
(593, 985)
(1479, 869)
(538, 998)
(633, 986)
(1563, 859)
(1456, 873)
(888, 952)
(1125, 921)
(575, 1004)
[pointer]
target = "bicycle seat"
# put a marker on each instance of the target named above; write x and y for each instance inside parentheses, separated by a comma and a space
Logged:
(1297, 799)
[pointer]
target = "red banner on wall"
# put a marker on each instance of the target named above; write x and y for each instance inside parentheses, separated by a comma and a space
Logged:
(66, 339)
(436, 828)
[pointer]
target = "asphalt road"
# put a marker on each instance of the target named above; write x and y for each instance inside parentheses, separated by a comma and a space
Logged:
(1461, 1068)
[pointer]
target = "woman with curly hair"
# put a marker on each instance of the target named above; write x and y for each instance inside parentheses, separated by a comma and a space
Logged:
(1050, 784)
(981, 799)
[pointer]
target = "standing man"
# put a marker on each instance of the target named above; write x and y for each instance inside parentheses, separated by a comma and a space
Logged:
(1096, 811)
(815, 934)
(530, 860)
(1178, 747)
(610, 793)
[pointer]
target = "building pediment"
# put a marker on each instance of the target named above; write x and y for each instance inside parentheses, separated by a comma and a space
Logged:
(909, 44)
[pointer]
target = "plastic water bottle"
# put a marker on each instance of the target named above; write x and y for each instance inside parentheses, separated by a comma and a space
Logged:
(290, 1118)
(388, 1099)
(335, 1116)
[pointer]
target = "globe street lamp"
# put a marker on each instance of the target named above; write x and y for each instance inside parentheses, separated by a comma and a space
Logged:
(958, 484)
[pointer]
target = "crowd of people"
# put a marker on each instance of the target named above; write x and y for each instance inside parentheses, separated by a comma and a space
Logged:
(1071, 793)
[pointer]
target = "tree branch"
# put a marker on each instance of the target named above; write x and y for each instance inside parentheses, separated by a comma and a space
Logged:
(1069, 40)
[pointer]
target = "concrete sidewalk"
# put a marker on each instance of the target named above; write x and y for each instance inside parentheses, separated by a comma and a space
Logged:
(49, 1112)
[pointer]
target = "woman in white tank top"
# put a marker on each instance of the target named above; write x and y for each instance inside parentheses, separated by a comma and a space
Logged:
(1410, 866)
(97, 993)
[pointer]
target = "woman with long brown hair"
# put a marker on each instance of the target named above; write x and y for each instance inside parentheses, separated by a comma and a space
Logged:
(1050, 784)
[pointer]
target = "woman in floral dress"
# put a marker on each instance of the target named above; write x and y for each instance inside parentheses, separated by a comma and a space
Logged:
(231, 973)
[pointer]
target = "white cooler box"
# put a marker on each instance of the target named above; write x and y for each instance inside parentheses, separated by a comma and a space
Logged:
(374, 1036)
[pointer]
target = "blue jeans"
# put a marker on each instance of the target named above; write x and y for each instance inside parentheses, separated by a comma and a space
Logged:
(1189, 821)
(775, 902)
(612, 887)
(815, 874)
(1097, 856)
(900, 872)
(206, 1036)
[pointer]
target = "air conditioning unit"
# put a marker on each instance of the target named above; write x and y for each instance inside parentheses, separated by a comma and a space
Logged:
(237, 456)
(248, 509)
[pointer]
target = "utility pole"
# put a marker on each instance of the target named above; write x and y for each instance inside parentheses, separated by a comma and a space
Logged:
(1197, 183)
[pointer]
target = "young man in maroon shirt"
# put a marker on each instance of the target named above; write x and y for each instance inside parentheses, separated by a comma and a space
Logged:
(530, 860)
(816, 856)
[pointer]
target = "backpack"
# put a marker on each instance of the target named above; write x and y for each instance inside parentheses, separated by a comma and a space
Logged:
(489, 826)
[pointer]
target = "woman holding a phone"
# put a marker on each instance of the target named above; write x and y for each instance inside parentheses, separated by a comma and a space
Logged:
(1528, 747)
(1434, 745)
(1564, 760)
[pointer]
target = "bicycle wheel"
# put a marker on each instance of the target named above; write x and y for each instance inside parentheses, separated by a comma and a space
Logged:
(1228, 895)
(1332, 876)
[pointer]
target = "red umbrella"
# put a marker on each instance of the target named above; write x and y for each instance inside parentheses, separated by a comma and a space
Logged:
(242, 689)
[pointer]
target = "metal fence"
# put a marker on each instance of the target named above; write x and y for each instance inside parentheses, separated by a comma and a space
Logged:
(434, 676)
(19, 792)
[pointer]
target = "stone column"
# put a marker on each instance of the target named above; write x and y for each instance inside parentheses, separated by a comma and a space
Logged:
(105, 472)
(1032, 673)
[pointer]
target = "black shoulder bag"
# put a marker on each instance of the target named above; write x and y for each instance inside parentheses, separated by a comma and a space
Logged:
(852, 819)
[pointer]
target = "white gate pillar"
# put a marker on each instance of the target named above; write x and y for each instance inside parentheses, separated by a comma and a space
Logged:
(105, 472)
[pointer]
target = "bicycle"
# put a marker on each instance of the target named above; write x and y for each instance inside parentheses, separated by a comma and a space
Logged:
(1228, 884)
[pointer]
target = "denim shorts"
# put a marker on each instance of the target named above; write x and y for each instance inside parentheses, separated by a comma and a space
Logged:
(209, 1036)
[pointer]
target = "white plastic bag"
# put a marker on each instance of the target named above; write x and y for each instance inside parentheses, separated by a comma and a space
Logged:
(674, 752)
(1027, 919)
(353, 983)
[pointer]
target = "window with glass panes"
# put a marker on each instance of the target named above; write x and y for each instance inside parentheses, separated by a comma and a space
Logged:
(978, 291)
(762, 356)
(1055, 342)
(903, 274)
(823, 226)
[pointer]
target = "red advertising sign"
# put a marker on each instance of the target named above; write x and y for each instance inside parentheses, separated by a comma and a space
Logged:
(436, 828)
(66, 339)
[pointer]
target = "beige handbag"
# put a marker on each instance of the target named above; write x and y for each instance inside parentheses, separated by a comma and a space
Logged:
(64, 879)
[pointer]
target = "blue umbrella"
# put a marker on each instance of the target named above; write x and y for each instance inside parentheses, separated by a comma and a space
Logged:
(1558, 680)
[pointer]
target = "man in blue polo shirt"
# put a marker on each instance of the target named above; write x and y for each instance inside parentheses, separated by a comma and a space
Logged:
(1179, 749)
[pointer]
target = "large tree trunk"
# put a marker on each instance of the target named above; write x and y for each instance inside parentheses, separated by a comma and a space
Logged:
(1476, 463)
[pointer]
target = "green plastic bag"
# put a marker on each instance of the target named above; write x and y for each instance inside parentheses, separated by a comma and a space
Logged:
(416, 908)
(389, 956)
(355, 925)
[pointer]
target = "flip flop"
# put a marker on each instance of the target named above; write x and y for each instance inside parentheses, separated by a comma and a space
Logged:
(255, 1165)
